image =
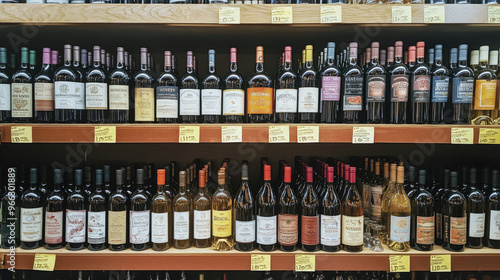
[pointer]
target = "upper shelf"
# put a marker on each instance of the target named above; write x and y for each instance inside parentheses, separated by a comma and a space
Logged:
(195, 14)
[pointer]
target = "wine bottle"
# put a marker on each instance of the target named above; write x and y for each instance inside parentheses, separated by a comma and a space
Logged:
(310, 216)
(400, 215)
(167, 93)
(438, 207)
(454, 213)
(492, 200)
(183, 208)
(352, 216)
(189, 97)
(411, 186)
(386, 196)
(144, 95)
(32, 214)
(475, 212)
(76, 215)
(161, 215)
(439, 91)
(375, 87)
(54, 214)
(97, 224)
(266, 211)
(202, 214)
(420, 85)
(119, 91)
(286, 91)
(260, 93)
(431, 56)
(5, 103)
(422, 215)
(330, 88)
(244, 215)
(390, 56)
(96, 91)
(80, 113)
(485, 88)
(44, 90)
(22, 92)
(397, 91)
(118, 208)
(308, 98)
(233, 95)
(352, 81)
(288, 217)
(330, 217)
(140, 206)
(88, 189)
(107, 179)
(376, 190)
(211, 94)
(222, 207)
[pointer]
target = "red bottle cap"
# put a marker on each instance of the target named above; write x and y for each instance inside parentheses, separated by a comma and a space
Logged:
(353, 175)
(288, 174)
(346, 171)
(330, 174)
(309, 174)
(160, 174)
(202, 178)
(267, 172)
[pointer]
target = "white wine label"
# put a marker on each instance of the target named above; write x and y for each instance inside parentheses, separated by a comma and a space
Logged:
(233, 102)
(352, 230)
(117, 227)
(159, 227)
(119, 97)
(201, 224)
(31, 224)
(181, 225)
(76, 225)
(308, 100)
(330, 230)
(80, 96)
(96, 96)
(495, 224)
(189, 102)
(211, 102)
(245, 231)
(139, 227)
(22, 100)
(96, 227)
(267, 230)
(65, 96)
(476, 224)
(400, 229)
(286, 101)
(4, 97)
(54, 227)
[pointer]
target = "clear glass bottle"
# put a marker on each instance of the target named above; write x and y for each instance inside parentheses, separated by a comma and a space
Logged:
(485, 87)
(400, 215)
(202, 214)
(222, 208)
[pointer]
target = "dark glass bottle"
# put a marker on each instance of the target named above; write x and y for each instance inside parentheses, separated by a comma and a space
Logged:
(266, 210)
(233, 95)
(462, 88)
(352, 216)
(11, 199)
(422, 216)
(492, 236)
(144, 92)
(107, 179)
(260, 92)
(288, 217)
(32, 214)
(96, 91)
(44, 90)
(375, 88)
(286, 91)
(119, 90)
(485, 87)
(5, 104)
(352, 81)
(65, 91)
(397, 87)
(438, 207)
(330, 222)
(98, 204)
(454, 213)
(76, 215)
(161, 215)
(475, 212)
(79, 87)
(167, 93)
(140, 206)
(244, 214)
(310, 216)
(118, 211)
(308, 94)
(411, 186)
(330, 88)
(420, 88)
(211, 94)
(23, 109)
(189, 94)
(55, 205)
(439, 87)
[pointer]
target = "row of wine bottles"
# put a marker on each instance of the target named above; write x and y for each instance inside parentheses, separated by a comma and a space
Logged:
(312, 209)
(385, 86)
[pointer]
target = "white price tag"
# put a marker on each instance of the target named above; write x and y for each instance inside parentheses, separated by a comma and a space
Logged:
(363, 135)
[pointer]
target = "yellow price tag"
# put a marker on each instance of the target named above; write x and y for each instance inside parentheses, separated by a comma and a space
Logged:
(399, 263)
(489, 136)
(363, 135)
(279, 134)
(462, 135)
(401, 14)
(493, 14)
(434, 14)
(232, 134)
(440, 263)
(331, 14)
(229, 15)
(21, 134)
(189, 134)
(105, 134)
(44, 262)
(305, 263)
(282, 15)
(260, 263)
(307, 134)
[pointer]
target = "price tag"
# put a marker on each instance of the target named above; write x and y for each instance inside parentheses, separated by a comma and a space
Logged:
(493, 14)
(232, 134)
(189, 134)
(21, 134)
(401, 14)
(279, 134)
(462, 135)
(434, 14)
(305, 263)
(399, 263)
(440, 263)
(44, 262)
(307, 134)
(489, 136)
(229, 15)
(260, 263)
(363, 135)
(331, 14)
(104, 134)
(282, 15)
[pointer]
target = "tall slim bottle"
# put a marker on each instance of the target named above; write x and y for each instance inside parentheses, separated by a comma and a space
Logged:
(167, 93)
(97, 214)
(330, 88)
(54, 214)
(330, 222)
(118, 211)
(308, 97)
(5, 104)
(96, 91)
(189, 95)
(140, 205)
(485, 90)
(233, 95)
(492, 236)
(288, 217)
(462, 89)
(211, 94)
(352, 81)
(376, 192)
(222, 207)
(375, 87)
(32, 214)
(119, 90)
(439, 90)
(161, 215)
(310, 216)
(286, 91)
(183, 215)
(454, 211)
(475, 212)
(76, 215)
(23, 105)
(400, 215)
(144, 92)
(44, 90)
(420, 88)
(352, 216)
(202, 214)
(397, 87)
(266, 210)
(260, 92)
(422, 216)
(244, 215)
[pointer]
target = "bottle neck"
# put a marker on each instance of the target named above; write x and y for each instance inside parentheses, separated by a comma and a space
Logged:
(161, 189)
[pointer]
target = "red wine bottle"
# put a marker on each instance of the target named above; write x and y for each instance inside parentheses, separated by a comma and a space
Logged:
(119, 90)
(397, 87)
(167, 93)
(97, 214)
(233, 95)
(211, 94)
(420, 85)
(352, 95)
(330, 217)
(32, 214)
(189, 96)
(308, 94)
(266, 211)
(310, 216)
(22, 92)
(288, 217)
(286, 91)
(76, 215)
(375, 88)
(330, 88)
(54, 214)
(260, 92)
(96, 91)
(44, 90)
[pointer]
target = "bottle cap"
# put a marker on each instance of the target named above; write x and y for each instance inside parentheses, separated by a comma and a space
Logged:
(353, 175)
(119, 176)
(58, 176)
(182, 178)
(140, 176)
(401, 174)
(160, 176)
(454, 179)
(222, 176)
(33, 175)
(202, 178)
(421, 177)
(329, 177)
(267, 172)
(309, 174)
(98, 176)
(288, 174)
(78, 177)
(244, 172)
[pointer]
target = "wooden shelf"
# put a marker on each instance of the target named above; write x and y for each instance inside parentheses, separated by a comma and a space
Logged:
(193, 14)
(485, 259)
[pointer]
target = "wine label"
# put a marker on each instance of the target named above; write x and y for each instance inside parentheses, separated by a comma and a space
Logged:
(233, 102)
(495, 224)
(330, 230)
(139, 227)
(308, 100)
(376, 201)
(400, 229)
(375, 86)
(353, 94)
(439, 226)
(440, 86)
(266, 230)
(167, 102)
(144, 104)
(425, 230)
(288, 229)
(286, 101)
(54, 227)
(399, 88)
(22, 100)
(159, 227)
(221, 224)
(76, 225)
(310, 230)
(96, 227)
(260, 101)
(458, 230)
(189, 102)
(201, 224)
(44, 97)
(181, 225)
(80, 96)
(96, 96)
(330, 88)
(117, 227)
(421, 88)
(476, 224)
(5, 97)
(245, 231)
(31, 224)
(485, 95)
(211, 102)
(352, 230)
(462, 90)
(366, 198)
(119, 97)
(65, 95)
